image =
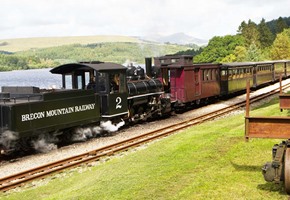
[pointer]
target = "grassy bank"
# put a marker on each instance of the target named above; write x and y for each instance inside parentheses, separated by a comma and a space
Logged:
(209, 161)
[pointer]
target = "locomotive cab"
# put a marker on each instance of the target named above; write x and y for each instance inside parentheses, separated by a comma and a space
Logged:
(107, 80)
(113, 92)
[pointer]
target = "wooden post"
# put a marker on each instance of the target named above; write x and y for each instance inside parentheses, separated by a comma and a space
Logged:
(247, 111)
(280, 83)
(248, 99)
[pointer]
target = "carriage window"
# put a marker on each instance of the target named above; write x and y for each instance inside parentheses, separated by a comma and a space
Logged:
(207, 74)
(240, 73)
(204, 77)
(224, 73)
(217, 74)
(234, 72)
(173, 60)
(213, 74)
(264, 68)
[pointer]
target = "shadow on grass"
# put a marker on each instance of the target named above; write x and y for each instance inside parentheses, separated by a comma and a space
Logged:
(272, 187)
(271, 102)
(250, 168)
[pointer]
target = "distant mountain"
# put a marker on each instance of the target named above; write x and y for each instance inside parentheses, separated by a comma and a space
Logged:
(177, 38)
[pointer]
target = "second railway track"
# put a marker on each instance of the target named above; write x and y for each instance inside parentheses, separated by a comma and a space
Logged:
(16, 180)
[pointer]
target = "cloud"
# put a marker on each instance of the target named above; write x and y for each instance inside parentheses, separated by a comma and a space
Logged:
(203, 19)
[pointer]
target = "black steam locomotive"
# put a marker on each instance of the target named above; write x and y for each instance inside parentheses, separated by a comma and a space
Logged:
(92, 92)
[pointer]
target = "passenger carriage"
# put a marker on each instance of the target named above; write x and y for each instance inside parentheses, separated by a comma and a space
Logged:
(281, 68)
(264, 72)
(188, 83)
(235, 75)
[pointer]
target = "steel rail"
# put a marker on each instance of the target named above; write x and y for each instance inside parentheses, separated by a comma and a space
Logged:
(16, 180)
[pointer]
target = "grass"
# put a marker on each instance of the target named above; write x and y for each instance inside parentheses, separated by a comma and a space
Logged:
(22, 44)
(208, 161)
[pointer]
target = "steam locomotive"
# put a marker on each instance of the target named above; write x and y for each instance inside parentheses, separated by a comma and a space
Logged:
(94, 93)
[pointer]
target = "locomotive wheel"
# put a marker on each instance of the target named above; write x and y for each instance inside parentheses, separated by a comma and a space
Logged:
(287, 170)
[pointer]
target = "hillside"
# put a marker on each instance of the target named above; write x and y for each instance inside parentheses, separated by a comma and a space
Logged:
(23, 44)
(176, 38)
(118, 52)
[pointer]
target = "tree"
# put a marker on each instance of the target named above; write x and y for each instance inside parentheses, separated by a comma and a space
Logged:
(281, 46)
(250, 33)
(266, 36)
(253, 53)
(240, 53)
(219, 48)
(280, 25)
(229, 58)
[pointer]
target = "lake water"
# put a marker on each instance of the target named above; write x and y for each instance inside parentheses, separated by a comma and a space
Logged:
(41, 78)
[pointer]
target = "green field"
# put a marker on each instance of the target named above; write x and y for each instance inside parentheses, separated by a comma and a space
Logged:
(23, 44)
(208, 161)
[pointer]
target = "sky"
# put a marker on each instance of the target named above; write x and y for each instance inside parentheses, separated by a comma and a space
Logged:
(202, 19)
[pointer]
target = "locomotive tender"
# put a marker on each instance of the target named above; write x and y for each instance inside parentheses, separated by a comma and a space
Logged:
(94, 92)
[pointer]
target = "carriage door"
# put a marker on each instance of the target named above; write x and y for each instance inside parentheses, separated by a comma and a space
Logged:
(197, 81)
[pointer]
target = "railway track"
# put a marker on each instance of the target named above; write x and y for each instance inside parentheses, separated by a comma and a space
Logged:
(19, 179)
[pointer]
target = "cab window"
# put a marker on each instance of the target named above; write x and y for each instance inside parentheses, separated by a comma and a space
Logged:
(117, 83)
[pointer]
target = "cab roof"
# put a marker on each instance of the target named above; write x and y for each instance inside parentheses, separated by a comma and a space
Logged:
(96, 65)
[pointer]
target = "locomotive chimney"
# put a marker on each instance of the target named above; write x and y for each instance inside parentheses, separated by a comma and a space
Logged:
(148, 64)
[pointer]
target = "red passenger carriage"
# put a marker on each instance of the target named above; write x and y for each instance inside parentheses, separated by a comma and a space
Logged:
(188, 83)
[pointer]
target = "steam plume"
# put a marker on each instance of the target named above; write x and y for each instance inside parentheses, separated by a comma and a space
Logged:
(83, 134)
(45, 143)
(8, 139)
(109, 127)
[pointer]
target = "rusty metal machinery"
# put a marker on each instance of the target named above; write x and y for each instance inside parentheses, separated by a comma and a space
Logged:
(279, 169)
(272, 171)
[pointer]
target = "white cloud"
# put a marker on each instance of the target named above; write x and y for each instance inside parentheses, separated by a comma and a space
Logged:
(203, 18)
